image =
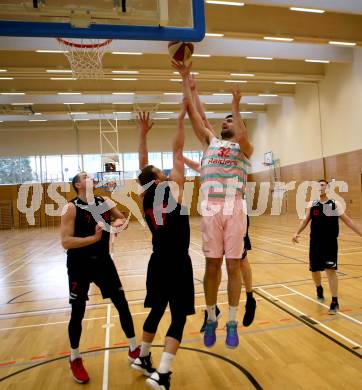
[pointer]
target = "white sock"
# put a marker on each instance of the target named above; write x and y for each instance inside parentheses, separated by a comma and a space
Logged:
(165, 363)
(233, 310)
(74, 354)
(132, 343)
(211, 312)
(145, 349)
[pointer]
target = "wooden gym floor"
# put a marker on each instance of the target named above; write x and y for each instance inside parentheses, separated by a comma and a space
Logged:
(293, 343)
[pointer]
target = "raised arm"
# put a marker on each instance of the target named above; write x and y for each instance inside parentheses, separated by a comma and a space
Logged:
(192, 164)
(241, 133)
(67, 230)
(201, 131)
(144, 125)
(199, 106)
(301, 227)
(178, 170)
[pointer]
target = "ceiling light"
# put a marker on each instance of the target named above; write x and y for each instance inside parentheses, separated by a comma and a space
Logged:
(6, 78)
(122, 93)
(74, 103)
(12, 93)
(220, 2)
(122, 112)
(59, 71)
(285, 82)
(63, 78)
(173, 93)
(130, 53)
(216, 35)
(242, 74)
(177, 80)
(164, 112)
(78, 113)
(81, 119)
(125, 71)
(124, 79)
(279, 39)
(3, 70)
(268, 94)
(342, 43)
(246, 112)
(312, 10)
(260, 58)
(202, 55)
(37, 120)
(52, 51)
(69, 93)
(22, 104)
(235, 81)
(319, 61)
(222, 94)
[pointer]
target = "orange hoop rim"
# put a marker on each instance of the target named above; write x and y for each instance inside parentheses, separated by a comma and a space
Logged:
(84, 45)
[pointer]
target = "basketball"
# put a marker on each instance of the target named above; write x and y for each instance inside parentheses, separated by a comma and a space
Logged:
(181, 51)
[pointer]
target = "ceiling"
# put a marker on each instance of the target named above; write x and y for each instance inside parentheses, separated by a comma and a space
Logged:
(47, 98)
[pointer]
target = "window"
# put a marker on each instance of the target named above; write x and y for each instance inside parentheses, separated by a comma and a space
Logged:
(195, 156)
(71, 166)
(92, 163)
(155, 159)
(30, 168)
(131, 165)
(51, 169)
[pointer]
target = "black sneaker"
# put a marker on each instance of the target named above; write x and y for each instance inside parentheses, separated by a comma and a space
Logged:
(159, 381)
(218, 315)
(250, 308)
(143, 364)
(333, 309)
(320, 296)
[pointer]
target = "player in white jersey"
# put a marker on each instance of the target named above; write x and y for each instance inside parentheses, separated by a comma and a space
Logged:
(223, 176)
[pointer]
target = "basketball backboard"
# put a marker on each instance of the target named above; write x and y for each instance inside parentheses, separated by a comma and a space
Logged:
(165, 20)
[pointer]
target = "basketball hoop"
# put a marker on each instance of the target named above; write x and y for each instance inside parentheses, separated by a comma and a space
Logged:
(85, 56)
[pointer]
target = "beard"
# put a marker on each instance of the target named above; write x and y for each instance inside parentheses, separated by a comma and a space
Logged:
(227, 133)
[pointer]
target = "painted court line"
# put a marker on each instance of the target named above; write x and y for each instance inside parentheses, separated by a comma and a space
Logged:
(106, 352)
(322, 304)
(356, 345)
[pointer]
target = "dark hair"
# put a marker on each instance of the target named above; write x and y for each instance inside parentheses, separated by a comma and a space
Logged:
(76, 180)
(147, 174)
(231, 116)
(323, 181)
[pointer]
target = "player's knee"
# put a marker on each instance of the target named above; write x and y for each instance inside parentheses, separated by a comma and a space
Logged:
(78, 310)
(176, 328)
(232, 265)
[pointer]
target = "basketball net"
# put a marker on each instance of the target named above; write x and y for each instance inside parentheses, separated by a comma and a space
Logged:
(85, 56)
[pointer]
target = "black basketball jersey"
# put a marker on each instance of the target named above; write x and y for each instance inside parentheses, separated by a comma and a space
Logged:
(170, 230)
(85, 224)
(324, 219)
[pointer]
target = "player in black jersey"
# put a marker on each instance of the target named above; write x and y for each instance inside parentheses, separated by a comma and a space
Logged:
(85, 231)
(169, 273)
(324, 214)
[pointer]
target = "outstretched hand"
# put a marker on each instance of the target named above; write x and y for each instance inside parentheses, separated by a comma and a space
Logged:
(236, 94)
(182, 68)
(144, 122)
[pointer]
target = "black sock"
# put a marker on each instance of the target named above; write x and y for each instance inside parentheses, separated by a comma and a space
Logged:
(249, 295)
